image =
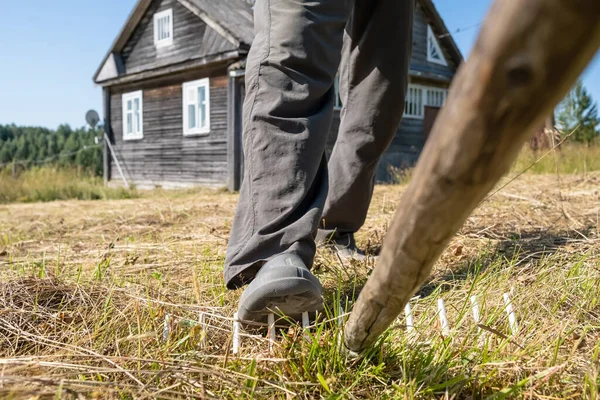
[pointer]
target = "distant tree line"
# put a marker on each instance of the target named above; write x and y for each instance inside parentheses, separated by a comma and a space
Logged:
(65, 147)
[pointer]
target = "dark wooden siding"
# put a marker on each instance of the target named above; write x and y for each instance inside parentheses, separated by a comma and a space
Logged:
(402, 153)
(192, 38)
(408, 143)
(406, 147)
(164, 156)
(404, 150)
(419, 52)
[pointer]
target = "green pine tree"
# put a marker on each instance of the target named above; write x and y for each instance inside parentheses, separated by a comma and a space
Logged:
(7, 152)
(53, 148)
(41, 145)
(579, 111)
(71, 146)
(22, 152)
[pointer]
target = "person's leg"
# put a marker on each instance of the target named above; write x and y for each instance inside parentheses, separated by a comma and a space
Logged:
(373, 82)
(287, 117)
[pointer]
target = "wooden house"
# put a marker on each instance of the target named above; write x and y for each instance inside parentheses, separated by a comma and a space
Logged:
(173, 88)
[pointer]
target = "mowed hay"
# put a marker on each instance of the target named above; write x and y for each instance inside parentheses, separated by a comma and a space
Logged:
(86, 288)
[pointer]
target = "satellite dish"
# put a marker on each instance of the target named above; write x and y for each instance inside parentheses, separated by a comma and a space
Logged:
(92, 118)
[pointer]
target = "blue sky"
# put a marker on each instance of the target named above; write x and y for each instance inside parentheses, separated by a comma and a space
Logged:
(49, 51)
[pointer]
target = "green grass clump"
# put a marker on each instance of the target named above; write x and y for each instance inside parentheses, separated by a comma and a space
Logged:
(97, 334)
(52, 183)
(85, 293)
(567, 159)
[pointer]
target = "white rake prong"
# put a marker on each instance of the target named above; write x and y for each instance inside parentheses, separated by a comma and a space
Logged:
(476, 312)
(443, 318)
(340, 321)
(167, 328)
(477, 319)
(305, 320)
(306, 325)
(410, 323)
(512, 316)
(271, 321)
(236, 334)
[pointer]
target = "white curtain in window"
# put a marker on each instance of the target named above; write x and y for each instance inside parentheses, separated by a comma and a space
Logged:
(196, 107)
(133, 117)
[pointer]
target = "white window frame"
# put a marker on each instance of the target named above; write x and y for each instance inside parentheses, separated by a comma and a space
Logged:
(434, 44)
(414, 109)
(135, 134)
(159, 43)
(426, 94)
(195, 85)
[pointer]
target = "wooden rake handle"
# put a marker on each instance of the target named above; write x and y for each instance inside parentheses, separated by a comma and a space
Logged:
(527, 57)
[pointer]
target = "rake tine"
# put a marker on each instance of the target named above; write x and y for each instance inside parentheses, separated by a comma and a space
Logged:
(476, 312)
(167, 328)
(410, 323)
(271, 321)
(305, 320)
(477, 319)
(443, 318)
(236, 334)
(306, 324)
(512, 316)
(340, 321)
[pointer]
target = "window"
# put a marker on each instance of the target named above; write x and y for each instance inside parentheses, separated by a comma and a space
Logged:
(417, 97)
(196, 107)
(414, 102)
(133, 116)
(337, 105)
(163, 28)
(435, 97)
(434, 51)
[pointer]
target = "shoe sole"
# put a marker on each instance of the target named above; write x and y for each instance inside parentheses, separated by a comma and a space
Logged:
(285, 297)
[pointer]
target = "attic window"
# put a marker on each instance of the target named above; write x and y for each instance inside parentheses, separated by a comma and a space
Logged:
(434, 51)
(163, 28)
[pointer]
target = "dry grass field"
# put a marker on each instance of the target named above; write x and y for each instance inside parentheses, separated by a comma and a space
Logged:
(85, 287)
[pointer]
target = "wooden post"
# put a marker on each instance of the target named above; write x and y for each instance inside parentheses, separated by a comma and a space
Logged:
(108, 131)
(116, 160)
(528, 55)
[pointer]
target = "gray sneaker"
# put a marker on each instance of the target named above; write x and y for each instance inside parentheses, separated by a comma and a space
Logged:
(283, 286)
(342, 244)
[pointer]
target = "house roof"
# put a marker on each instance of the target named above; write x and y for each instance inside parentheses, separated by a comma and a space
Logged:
(232, 19)
(444, 36)
(234, 16)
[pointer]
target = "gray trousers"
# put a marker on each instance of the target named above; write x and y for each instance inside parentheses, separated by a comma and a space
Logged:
(298, 48)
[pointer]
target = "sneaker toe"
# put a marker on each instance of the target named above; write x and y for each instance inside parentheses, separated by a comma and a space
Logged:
(283, 287)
